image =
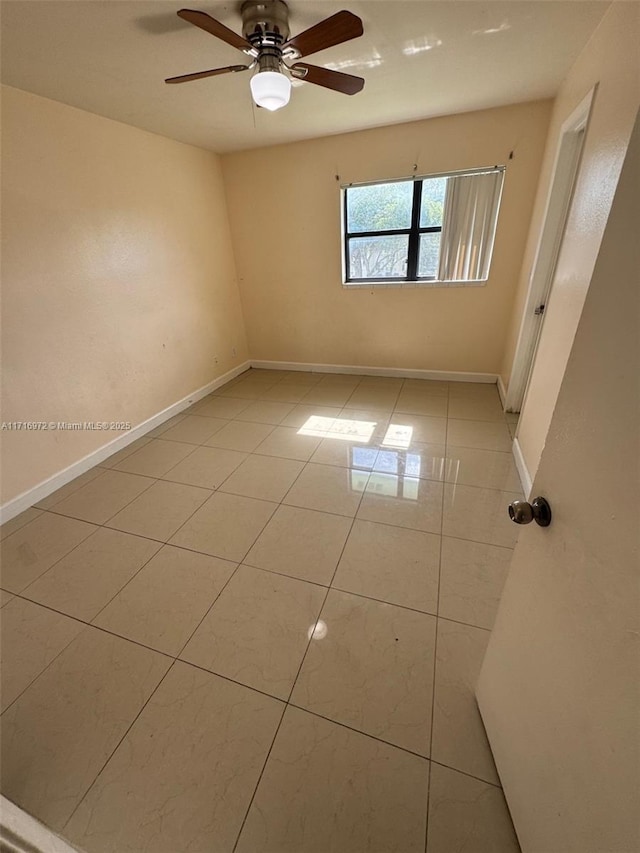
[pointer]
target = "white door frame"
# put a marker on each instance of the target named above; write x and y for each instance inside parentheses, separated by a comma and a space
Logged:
(564, 175)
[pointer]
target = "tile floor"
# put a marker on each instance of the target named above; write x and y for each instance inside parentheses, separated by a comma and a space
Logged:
(258, 628)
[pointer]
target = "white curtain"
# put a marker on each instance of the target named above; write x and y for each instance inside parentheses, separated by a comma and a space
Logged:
(469, 225)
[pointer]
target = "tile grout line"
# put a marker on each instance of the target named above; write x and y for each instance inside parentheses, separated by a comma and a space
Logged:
(435, 644)
(112, 753)
(295, 679)
(171, 665)
(389, 743)
(35, 678)
(362, 594)
(99, 526)
(103, 523)
(164, 544)
(113, 633)
(177, 659)
(106, 524)
(151, 440)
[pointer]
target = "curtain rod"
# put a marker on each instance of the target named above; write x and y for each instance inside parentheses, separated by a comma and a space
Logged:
(484, 170)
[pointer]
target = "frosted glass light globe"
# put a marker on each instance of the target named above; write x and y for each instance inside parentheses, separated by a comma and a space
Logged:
(270, 89)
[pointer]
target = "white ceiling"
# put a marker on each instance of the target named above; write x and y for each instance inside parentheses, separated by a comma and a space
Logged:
(420, 58)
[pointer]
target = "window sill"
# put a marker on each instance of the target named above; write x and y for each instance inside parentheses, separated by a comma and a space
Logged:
(372, 285)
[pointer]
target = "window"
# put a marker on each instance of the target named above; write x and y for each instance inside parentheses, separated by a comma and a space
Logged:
(438, 228)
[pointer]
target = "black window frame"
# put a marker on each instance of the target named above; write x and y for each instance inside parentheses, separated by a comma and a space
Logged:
(414, 231)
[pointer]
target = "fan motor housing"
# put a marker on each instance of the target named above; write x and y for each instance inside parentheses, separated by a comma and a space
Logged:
(265, 23)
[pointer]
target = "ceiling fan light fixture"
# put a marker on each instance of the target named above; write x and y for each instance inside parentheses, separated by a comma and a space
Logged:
(270, 89)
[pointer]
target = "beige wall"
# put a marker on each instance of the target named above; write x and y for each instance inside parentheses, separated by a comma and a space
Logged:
(284, 207)
(610, 60)
(118, 280)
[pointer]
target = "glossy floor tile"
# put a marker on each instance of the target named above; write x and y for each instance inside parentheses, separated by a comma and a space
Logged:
(480, 408)
(86, 580)
(225, 526)
(265, 477)
(59, 495)
(177, 782)
(421, 403)
(194, 429)
(156, 457)
(206, 467)
(346, 454)
(321, 417)
(391, 564)
(328, 488)
(472, 576)
(472, 467)
(240, 435)
(289, 443)
(164, 427)
(370, 424)
(403, 501)
(58, 734)
(258, 630)
(220, 407)
(424, 461)
(481, 514)
(405, 429)
(366, 396)
(35, 547)
(459, 738)
(117, 457)
(369, 666)
(104, 496)
(483, 435)
(302, 543)
(286, 393)
(164, 603)
(32, 636)
(335, 395)
(20, 520)
(466, 814)
(265, 412)
(327, 788)
(161, 510)
(254, 628)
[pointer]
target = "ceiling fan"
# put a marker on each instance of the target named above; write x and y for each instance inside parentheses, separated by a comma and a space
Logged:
(265, 39)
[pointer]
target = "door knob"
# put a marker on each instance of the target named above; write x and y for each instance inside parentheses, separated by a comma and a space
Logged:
(522, 512)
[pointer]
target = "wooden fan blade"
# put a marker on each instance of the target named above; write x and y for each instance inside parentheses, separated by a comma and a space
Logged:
(345, 83)
(184, 78)
(215, 28)
(343, 26)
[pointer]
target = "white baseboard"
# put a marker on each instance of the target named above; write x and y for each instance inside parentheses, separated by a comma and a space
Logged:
(42, 490)
(404, 372)
(21, 832)
(502, 391)
(523, 471)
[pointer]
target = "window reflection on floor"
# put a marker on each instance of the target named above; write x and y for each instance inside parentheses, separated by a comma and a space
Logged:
(398, 435)
(394, 486)
(358, 479)
(338, 428)
(397, 468)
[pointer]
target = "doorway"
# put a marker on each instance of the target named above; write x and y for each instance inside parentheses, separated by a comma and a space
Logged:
(565, 173)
